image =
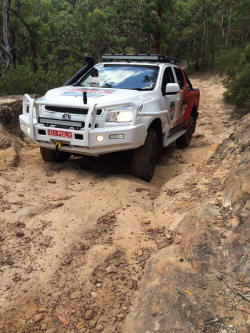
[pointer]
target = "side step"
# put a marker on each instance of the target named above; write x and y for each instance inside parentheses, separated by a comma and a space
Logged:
(168, 140)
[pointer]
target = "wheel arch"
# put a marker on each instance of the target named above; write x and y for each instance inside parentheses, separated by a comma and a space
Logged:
(156, 124)
(194, 112)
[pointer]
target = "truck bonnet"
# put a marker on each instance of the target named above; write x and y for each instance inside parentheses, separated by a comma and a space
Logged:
(71, 95)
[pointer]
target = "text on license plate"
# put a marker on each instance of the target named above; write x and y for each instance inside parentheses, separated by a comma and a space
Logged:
(62, 134)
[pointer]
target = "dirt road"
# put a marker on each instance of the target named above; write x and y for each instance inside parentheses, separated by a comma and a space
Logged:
(75, 237)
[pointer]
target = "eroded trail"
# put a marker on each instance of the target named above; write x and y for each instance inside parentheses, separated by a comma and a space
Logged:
(74, 238)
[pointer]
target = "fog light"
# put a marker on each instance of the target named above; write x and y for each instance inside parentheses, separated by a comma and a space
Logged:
(100, 138)
(116, 136)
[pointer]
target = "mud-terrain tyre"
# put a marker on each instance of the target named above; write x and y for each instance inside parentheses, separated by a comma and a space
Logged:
(185, 139)
(49, 155)
(144, 158)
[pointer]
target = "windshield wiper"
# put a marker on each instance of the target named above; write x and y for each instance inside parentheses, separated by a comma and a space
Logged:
(142, 89)
(107, 85)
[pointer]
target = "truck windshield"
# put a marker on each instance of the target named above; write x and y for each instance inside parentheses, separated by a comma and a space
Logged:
(121, 77)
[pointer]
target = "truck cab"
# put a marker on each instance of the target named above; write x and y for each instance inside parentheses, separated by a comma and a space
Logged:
(138, 103)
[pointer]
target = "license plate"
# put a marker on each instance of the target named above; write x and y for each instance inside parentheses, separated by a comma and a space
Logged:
(61, 134)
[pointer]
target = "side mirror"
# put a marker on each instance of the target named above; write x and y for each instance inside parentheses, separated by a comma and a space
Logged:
(172, 89)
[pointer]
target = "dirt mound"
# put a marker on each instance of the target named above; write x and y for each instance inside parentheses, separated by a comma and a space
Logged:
(10, 109)
(5, 142)
(11, 137)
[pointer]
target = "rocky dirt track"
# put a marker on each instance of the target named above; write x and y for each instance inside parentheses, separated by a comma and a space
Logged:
(85, 247)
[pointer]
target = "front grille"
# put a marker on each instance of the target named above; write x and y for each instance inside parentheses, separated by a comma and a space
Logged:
(61, 123)
(70, 110)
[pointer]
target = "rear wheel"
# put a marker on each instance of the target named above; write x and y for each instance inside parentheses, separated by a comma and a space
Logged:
(49, 155)
(144, 158)
(185, 139)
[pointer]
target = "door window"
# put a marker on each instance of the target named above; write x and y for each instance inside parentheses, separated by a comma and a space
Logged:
(168, 77)
(180, 78)
(188, 82)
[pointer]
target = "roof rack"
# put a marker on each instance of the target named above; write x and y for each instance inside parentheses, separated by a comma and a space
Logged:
(139, 57)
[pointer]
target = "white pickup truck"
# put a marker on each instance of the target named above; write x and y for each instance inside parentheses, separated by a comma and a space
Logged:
(138, 103)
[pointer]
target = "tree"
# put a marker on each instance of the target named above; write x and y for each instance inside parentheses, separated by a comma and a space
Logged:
(50, 38)
(5, 46)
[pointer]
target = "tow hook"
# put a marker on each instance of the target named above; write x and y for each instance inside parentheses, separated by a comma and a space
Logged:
(58, 145)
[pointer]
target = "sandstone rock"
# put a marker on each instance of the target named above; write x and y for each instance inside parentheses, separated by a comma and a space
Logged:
(38, 317)
(111, 269)
(120, 316)
(237, 192)
(99, 328)
(172, 296)
(51, 330)
(89, 314)
(5, 142)
(51, 181)
(19, 232)
(237, 188)
(168, 236)
(43, 327)
(92, 323)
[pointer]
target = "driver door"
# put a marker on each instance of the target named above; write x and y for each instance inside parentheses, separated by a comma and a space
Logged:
(170, 101)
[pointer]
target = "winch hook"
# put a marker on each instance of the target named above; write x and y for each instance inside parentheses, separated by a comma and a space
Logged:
(58, 145)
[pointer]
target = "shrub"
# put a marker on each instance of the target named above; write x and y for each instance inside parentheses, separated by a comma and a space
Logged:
(23, 79)
(235, 65)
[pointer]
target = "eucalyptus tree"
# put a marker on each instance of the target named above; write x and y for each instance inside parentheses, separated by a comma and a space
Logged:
(5, 46)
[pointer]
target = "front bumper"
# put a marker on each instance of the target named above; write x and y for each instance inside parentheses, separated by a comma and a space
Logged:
(84, 141)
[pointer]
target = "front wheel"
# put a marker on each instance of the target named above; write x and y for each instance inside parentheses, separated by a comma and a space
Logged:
(144, 158)
(49, 155)
(185, 139)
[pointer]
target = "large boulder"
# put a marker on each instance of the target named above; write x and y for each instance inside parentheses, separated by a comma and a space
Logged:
(199, 283)
(177, 288)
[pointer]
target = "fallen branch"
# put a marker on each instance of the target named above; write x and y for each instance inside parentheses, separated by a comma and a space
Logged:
(246, 297)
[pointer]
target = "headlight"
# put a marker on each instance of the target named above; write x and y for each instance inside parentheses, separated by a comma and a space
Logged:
(122, 114)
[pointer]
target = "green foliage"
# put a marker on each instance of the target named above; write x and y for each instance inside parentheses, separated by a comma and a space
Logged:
(235, 65)
(23, 79)
(49, 39)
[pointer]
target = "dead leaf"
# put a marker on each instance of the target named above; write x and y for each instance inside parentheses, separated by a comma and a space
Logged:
(63, 320)
(244, 310)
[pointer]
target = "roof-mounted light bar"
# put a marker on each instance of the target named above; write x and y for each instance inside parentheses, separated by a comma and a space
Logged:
(138, 57)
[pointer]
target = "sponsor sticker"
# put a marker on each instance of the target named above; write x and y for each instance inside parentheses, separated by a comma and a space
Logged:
(91, 92)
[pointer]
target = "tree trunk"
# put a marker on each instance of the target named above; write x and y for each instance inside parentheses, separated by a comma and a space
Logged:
(229, 24)
(5, 47)
(159, 32)
(204, 18)
(222, 22)
(32, 40)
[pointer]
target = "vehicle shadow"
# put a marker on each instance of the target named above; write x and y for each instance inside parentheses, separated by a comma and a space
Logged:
(105, 165)
(120, 163)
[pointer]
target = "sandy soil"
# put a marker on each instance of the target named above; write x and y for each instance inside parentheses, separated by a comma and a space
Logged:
(75, 237)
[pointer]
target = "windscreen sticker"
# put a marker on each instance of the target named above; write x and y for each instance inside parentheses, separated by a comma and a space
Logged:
(91, 92)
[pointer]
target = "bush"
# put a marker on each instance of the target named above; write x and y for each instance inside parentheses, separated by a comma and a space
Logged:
(235, 65)
(23, 79)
